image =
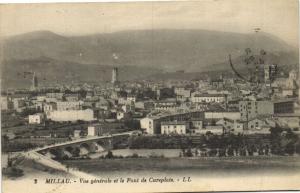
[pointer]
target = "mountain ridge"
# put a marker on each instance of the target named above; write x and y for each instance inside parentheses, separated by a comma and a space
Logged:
(164, 50)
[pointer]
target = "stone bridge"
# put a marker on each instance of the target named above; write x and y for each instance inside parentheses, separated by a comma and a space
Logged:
(84, 146)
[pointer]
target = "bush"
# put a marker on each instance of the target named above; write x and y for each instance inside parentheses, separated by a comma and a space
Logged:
(135, 155)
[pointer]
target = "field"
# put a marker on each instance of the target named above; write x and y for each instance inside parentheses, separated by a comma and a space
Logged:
(201, 166)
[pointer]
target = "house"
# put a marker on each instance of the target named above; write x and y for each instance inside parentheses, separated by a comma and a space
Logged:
(41, 98)
(217, 83)
(166, 107)
(228, 124)
(175, 127)
(214, 129)
(6, 104)
(257, 126)
(72, 97)
(287, 92)
(123, 115)
(57, 95)
(69, 105)
(36, 118)
(50, 107)
(103, 104)
(288, 121)
(238, 127)
(18, 103)
(144, 105)
(251, 109)
(151, 125)
(94, 130)
(182, 94)
(131, 98)
(77, 133)
(196, 125)
(208, 98)
(128, 108)
(124, 101)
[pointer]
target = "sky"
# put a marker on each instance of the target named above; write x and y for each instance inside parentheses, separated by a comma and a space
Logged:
(277, 17)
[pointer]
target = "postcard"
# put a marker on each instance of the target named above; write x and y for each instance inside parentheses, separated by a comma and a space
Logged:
(157, 96)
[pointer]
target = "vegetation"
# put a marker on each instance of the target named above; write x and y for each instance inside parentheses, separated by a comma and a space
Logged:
(279, 142)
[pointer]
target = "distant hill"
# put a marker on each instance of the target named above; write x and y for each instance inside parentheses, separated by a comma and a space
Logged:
(50, 71)
(163, 50)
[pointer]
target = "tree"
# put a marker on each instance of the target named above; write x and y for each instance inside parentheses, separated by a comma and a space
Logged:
(275, 138)
(189, 153)
(290, 149)
(109, 155)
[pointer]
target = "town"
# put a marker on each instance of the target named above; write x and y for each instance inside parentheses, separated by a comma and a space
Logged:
(162, 114)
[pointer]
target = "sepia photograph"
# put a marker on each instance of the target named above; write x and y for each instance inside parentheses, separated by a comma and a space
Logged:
(157, 96)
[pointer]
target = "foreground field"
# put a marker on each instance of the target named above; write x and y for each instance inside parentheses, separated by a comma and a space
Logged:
(226, 166)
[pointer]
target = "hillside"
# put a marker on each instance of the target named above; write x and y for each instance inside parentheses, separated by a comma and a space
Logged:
(169, 49)
(86, 58)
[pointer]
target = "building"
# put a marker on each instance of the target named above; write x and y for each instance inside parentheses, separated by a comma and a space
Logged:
(131, 98)
(182, 94)
(69, 105)
(128, 108)
(251, 109)
(214, 129)
(257, 126)
(41, 98)
(175, 127)
(18, 103)
(72, 97)
(151, 125)
(288, 121)
(283, 106)
(77, 133)
(293, 74)
(266, 73)
(148, 105)
(208, 98)
(196, 125)
(115, 76)
(6, 104)
(57, 95)
(50, 107)
(123, 115)
(222, 114)
(71, 115)
(217, 83)
(94, 130)
(172, 108)
(36, 118)
(124, 101)
(287, 92)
